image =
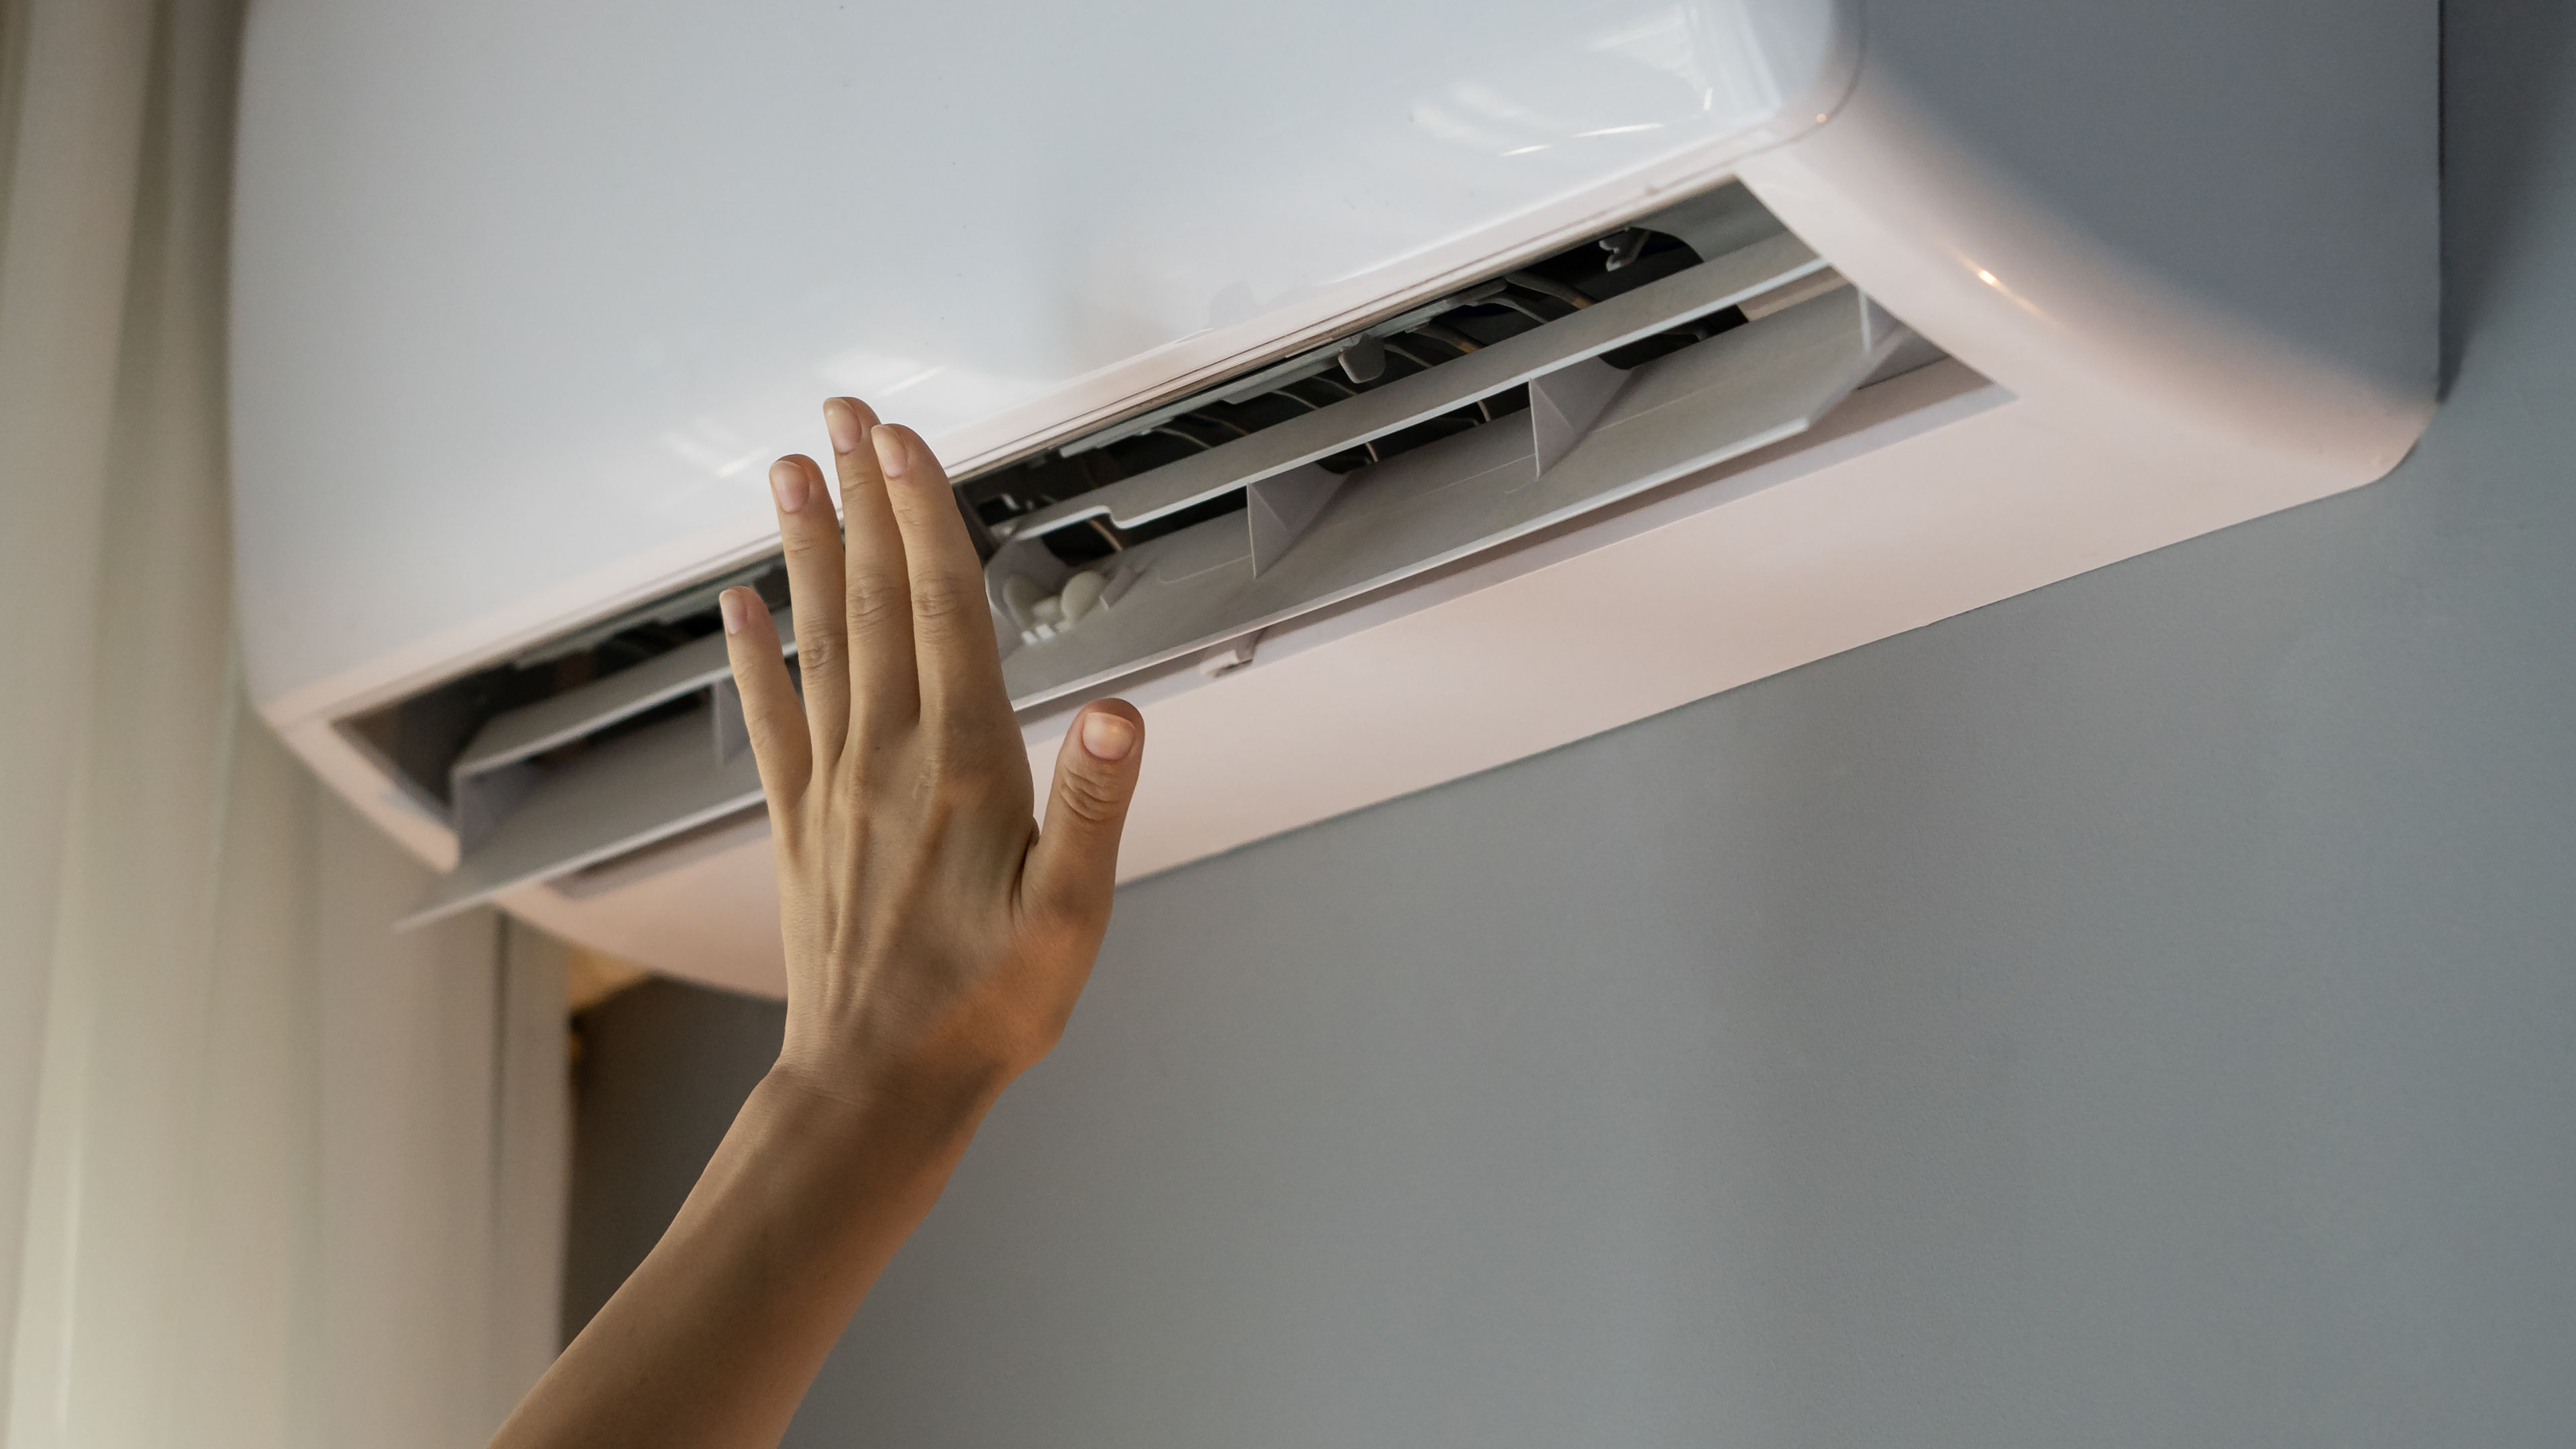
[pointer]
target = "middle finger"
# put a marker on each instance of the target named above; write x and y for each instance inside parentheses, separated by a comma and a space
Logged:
(952, 625)
(884, 687)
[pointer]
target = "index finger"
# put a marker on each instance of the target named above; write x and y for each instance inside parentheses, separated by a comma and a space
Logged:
(952, 623)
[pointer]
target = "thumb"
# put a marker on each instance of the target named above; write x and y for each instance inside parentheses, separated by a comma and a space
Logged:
(1073, 868)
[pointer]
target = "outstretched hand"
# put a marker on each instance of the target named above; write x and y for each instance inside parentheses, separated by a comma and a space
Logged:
(936, 935)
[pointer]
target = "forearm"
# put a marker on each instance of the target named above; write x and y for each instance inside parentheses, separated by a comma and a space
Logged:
(715, 1337)
(935, 945)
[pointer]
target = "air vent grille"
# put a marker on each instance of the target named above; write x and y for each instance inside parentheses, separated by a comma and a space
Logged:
(1700, 333)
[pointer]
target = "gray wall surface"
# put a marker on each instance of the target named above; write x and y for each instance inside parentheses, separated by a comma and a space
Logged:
(663, 1068)
(2142, 1012)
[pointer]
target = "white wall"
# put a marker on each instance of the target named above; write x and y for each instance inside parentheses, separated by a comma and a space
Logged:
(2142, 1012)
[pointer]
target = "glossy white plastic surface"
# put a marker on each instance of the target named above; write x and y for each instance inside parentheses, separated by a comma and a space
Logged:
(524, 300)
(526, 296)
(2203, 223)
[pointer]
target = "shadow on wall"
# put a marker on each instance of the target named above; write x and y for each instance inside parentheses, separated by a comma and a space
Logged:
(2512, 115)
(664, 1067)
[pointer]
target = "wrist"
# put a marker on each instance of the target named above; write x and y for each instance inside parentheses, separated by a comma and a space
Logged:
(887, 1122)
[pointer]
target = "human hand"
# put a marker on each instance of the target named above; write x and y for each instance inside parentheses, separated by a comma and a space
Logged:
(936, 936)
(936, 940)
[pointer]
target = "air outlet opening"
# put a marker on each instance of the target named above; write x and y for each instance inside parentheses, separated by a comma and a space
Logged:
(1425, 338)
(419, 738)
(1467, 421)
(1560, 384)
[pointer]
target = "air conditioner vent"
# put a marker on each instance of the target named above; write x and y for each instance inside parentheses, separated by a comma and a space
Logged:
(1560, 386)
(1580, 392)
(1420, 339)
(420, 737)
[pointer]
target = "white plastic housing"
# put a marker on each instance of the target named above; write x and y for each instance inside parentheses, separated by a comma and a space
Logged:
(523, 305)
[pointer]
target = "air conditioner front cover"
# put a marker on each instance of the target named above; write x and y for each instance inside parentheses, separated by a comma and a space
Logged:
(525, 298)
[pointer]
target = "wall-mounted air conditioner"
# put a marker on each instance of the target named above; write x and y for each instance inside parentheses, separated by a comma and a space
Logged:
(1372, 394)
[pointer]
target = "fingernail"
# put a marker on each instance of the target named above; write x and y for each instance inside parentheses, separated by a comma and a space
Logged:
(841, 420)
(1107, 736)
(729, 603)
(787, 482)
(890, 451)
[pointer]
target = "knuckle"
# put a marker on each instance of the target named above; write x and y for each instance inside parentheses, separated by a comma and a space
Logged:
(1091, 798)
(957, 778)
(804, 543)
(943, 600)
(874, 603)
(817, 653)
(949, 764)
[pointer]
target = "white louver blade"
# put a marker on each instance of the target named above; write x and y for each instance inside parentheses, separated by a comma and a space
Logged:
(1606, 326)
(628, 793)
(655, 750)
(521, 821)
(1744, 389)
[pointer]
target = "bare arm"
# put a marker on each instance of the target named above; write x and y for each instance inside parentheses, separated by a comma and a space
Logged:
(936, 941)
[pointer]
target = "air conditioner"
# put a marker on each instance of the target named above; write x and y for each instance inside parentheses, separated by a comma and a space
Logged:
(1373, 394)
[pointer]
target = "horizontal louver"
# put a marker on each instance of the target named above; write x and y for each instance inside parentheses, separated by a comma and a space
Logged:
(1587, 400)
